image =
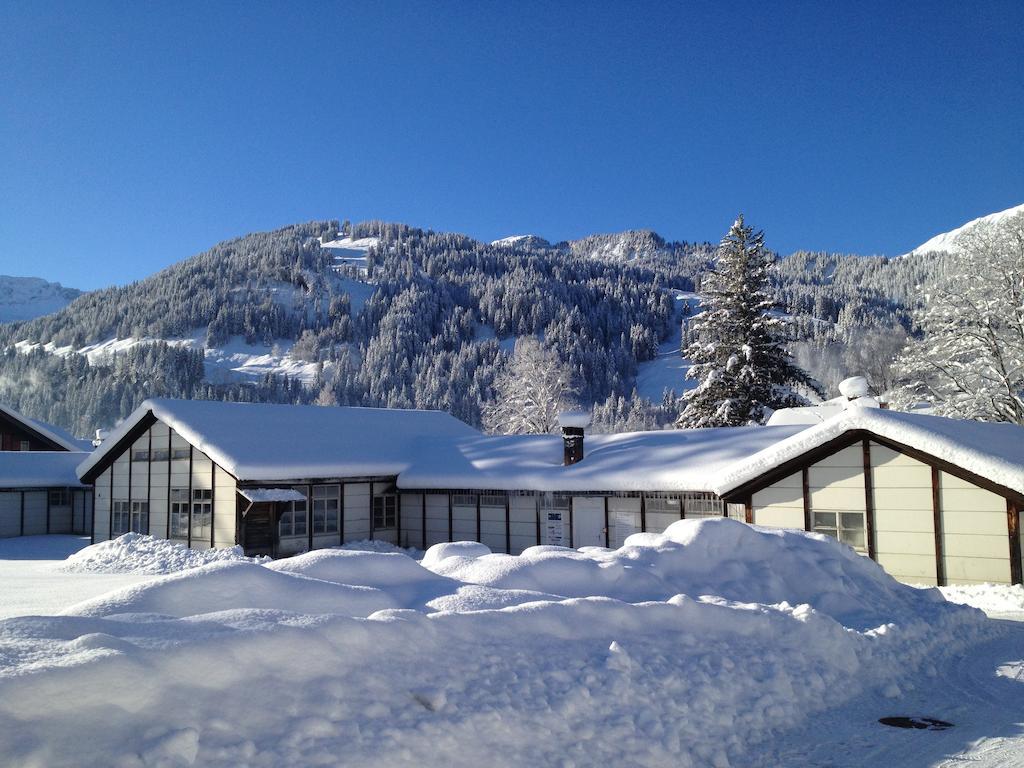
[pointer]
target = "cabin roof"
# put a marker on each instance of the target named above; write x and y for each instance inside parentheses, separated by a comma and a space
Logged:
(992, 451)
(54, 434)
(265, 442)
(667, 460)
(39, 469)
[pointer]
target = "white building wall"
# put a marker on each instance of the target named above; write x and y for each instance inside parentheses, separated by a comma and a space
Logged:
(10, 514)
(35, 513)
(224, 509)
(781, 505)
(60, 516)
(411, 515)
(159, 472)
(623, 519)
(904, 515)
(437, 518)
(357, 511)
(522, 523)
(492, 526)
(101, 508)
(464, 521)
(975, 547)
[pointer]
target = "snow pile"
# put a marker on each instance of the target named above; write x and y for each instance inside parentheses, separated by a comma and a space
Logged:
(137, 553)
(993, 599)
(232, 586)
(306, 659)
(713, 556)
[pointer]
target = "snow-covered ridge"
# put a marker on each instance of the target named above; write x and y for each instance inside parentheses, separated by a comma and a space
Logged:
(25, 298)
(946, 242)
(521, 241)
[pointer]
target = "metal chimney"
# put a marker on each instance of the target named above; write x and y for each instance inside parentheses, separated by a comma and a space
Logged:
(572, 424)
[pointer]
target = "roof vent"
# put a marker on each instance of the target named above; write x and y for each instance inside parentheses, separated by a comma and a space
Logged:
(573, 424)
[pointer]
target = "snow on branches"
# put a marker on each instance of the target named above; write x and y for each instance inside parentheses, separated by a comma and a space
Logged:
(738, 350)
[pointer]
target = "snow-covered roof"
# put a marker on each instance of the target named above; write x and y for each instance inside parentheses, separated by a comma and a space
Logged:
(816, 414)
(669, 460)
(49, 431)
(39, 469)
(265, 442)
(994, 451)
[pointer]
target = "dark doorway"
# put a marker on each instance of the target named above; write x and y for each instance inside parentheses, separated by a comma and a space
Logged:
(258, 529)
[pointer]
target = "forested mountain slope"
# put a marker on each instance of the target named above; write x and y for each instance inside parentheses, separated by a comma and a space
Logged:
(424, 320)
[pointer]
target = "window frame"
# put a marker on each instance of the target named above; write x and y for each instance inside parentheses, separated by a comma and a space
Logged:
(294, 518)
(120, 517)
(180, 507)
(323, 518)
(59, 497)
(202, 513)
(385, 511)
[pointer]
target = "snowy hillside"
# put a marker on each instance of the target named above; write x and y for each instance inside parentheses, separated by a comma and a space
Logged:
(23, 298)
(521, 241)
(945, 242)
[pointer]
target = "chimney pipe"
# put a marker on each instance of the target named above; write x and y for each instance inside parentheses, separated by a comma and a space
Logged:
(572, 423)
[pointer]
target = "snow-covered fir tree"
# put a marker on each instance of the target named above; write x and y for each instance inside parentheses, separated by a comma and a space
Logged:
(738, 351)
(530, 392)
(968, 359)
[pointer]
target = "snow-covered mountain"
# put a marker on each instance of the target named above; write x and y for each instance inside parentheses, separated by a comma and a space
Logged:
(23, 298)
(522, 241)
(944, 242)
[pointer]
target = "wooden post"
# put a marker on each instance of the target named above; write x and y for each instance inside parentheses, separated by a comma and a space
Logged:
(869, 500)
(341, 514)
(92, 519)
(643, 514)
(170, 484)
(508, 526)
(571, 542)
(536, 515)
(805, 477)
(423, 512)
(478, 516)
(23, 509)
(309, 517)
(47, 510)
(607, 525)
(748, 510)
(940, 565)
(190, 450)
(149, 476)
(450, 530)
(1013, 528)
(372, 521)
(398, 517)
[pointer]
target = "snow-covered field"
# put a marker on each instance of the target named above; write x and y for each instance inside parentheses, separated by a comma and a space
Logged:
(713, 644)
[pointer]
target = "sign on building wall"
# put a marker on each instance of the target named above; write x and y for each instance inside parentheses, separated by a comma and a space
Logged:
(556, 528)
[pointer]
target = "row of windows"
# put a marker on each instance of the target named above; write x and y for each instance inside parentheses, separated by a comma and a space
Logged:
(159, 454)
(133, 516)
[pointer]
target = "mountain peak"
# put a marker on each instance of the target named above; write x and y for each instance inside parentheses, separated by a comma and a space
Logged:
(945, 242)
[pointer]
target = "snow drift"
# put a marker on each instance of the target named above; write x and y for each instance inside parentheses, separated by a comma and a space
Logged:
(138, 553)
(683, 649)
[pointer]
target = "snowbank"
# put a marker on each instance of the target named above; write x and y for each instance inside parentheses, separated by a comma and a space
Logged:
(136, 553)
(993, 599)
(714, 556)
(596, 658)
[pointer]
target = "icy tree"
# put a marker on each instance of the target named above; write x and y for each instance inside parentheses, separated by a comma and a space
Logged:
(738, 350)
(530, 392)
(968, 360)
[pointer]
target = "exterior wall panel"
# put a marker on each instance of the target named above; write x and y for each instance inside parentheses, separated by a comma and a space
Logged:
(35, 513)
(357, 511)
(904, 516)
(623, 519)
(10, 514)
(974, 533)
(225, 504)
(437, 518)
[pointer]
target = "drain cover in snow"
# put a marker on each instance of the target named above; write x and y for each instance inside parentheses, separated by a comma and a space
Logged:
(919, 723)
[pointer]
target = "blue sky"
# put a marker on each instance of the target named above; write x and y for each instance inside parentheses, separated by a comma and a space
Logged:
(135, 134)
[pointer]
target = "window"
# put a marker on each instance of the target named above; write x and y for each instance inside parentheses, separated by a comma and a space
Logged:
(385, 511)
(120, 518)
(140, 454)
(326, 506)
(180, 453)
(140, 517)
(705, 507)
(464, 500)
(848, 527)
(663, 505)
(492, 501)
(179, 513)
(25, 445)
(293, 519)
(202, 512)
(159, 454)
(59, 497)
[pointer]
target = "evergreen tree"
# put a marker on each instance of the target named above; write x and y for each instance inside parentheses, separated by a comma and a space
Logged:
(968, 360)
(738, 354)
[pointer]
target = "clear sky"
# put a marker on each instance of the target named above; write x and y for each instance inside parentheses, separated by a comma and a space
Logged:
(136, 134)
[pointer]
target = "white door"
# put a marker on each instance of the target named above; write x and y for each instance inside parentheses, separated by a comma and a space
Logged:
(588, 529)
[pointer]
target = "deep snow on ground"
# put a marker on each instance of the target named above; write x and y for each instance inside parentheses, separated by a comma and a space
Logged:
(713, 644)
(137, 553)
(997, 600)
(33, 581)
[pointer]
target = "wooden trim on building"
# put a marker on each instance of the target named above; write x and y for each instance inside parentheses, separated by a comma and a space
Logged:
(478, 517)
(806, 485)
(869, 500)
(92, 518)
(23, 512)
(940, 564)
(450, 529)
(423, 515)
(643, 514)
(47, 510)
(149, 481)
(571, 521)
(372, 521)
(848, 439)
(170, 432)
(607, 525)
(748, 510)
(341, 513)
(508, 527)
(309, 515)
(191, 449)
(1013, 509)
